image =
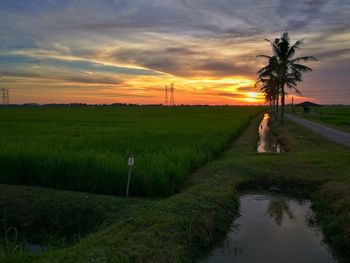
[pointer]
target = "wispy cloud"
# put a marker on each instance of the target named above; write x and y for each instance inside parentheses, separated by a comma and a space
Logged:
(122, 42)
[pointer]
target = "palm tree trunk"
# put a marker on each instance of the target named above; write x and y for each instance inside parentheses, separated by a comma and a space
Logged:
(276, 107)
(270, 105)
(283, 96)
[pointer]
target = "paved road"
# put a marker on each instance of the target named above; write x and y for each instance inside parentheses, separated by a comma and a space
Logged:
(330, 133)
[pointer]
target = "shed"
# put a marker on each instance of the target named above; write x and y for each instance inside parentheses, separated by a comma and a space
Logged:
(307, 105)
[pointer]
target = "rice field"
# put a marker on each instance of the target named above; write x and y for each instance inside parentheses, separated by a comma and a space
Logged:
(87, 148)
(335, 116)
(338, 116)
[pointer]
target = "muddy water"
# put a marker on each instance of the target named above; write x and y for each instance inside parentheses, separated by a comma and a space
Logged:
(271, 228)
(267, 142)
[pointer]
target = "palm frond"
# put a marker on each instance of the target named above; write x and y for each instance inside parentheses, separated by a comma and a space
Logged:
(301, 68)
(304, 59)
(263, 56)
(285, 36)
(294, 87)
(273, 44)
(298, 44)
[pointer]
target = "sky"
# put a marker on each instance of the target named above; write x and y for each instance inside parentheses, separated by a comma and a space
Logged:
(126, 51)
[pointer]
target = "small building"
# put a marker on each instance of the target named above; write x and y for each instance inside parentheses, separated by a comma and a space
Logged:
(307, 105)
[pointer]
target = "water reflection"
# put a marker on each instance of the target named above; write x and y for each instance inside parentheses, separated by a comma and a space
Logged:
(278, 208)
(271, 228)
(267, 141)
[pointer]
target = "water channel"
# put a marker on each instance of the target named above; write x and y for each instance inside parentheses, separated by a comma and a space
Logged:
(271, 228)
(267, 141)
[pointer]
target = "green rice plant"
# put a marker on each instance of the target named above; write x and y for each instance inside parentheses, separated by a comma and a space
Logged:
(86, 148)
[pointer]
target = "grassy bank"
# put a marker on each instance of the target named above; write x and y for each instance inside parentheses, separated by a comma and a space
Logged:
(49, 219)
(40, 214)
(178, 228)
(86, 148)
(333, 116)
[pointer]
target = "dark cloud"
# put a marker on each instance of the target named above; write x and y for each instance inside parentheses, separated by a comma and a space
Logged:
(190, 17)
(332, 54)
(184, 62)
(77, 78)
(223, 68)
(20, 74)
(94, 80)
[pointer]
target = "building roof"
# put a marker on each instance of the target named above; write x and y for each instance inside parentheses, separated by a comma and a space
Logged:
(308, 104)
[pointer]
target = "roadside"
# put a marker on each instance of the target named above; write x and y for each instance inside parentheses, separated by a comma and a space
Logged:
(337, 117)
(328, 132)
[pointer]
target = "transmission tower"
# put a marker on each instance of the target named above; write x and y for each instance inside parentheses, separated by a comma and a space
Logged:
(166, 102)
(5, 95)
(169, 95)
(172, 101)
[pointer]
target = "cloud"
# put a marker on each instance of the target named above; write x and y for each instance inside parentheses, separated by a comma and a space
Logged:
(247, 89)
(338, 54)
(222, 68)
(65, 77)
(184, 62)
(193, 39)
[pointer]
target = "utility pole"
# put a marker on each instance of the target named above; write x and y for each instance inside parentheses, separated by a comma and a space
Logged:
(293, 104)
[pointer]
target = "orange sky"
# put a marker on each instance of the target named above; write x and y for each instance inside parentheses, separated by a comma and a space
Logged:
(115, 51)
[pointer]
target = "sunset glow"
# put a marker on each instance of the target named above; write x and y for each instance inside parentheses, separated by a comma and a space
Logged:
(126, 52)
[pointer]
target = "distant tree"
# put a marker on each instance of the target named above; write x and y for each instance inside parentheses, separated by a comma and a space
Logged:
(284, 67)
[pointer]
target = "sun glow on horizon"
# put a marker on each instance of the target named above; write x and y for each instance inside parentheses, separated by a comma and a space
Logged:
(252, 95)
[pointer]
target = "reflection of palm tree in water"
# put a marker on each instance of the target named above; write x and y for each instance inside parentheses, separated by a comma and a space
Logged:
(277, 208)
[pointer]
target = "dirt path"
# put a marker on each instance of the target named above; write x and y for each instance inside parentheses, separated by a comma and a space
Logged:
(329, 133)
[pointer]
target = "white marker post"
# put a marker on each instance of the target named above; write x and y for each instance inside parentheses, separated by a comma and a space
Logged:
(131, 164)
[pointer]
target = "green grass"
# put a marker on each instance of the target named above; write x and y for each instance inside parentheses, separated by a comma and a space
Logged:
(55, 219)
(42, 215)
(180, 227)
(86, 148)
(336, 116)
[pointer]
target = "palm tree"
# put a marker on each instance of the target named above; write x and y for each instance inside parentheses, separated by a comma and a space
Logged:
(285, 67)
(270, 90)
(269, 83)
